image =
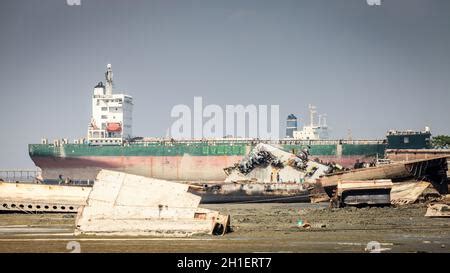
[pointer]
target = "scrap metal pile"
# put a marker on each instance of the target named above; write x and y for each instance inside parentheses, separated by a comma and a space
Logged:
(411, 179)
(258, 158)
(266, 163)
(264, 155)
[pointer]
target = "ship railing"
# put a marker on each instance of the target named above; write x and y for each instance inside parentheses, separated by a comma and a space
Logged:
(19, 175)
(105, 141)
(400, 133)
(256, 141)
(168, 142)
(382, 161)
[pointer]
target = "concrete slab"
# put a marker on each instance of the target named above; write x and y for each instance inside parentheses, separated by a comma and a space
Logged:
(125, 204)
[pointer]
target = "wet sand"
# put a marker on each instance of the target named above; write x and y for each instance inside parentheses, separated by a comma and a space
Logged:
(256, 228)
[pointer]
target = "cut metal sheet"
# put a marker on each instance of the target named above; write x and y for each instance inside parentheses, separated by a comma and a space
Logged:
(407, 193)
(438, 210)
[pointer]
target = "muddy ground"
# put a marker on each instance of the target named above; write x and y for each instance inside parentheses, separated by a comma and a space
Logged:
(257, 228)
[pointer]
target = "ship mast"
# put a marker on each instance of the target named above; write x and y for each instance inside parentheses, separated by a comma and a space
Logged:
(312, 111)
(109, 80)
(324, 121)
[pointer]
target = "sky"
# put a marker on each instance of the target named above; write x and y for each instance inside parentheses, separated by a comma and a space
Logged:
(369, 68)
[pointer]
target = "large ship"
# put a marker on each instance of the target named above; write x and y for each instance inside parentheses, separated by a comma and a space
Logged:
(110, 145)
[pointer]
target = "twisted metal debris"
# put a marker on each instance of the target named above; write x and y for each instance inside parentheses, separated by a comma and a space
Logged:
(258, 159)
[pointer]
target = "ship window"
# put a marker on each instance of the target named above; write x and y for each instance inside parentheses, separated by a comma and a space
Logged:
(115, 109)
(104, 108)
(104, 117)
(406, 140)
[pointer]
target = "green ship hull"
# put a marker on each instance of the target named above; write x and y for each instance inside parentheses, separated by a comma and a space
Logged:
(190, 161)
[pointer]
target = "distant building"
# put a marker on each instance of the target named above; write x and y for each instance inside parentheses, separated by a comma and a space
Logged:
(291, 126)
(409, 139)
(313, 131)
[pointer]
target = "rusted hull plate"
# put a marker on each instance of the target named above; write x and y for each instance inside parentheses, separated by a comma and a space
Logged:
(433, 170)
(251, 193)
(376, 192)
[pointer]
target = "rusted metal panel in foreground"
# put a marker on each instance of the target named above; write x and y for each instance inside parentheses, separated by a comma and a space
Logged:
(414, 154)
(251, 192)
(433, 170)
(344, 186)
(375, 192)
(407, 193)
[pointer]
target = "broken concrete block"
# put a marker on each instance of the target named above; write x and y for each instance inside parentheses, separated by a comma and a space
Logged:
(124, 204)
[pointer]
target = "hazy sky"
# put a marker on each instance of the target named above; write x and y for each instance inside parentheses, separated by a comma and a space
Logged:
(369, 68)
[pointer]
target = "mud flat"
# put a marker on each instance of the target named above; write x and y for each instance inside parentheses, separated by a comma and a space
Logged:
(257, 228)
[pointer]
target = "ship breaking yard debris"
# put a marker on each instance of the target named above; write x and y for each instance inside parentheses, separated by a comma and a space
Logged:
(249, 128)
(113, 192)
(401, 207)
(256, 228)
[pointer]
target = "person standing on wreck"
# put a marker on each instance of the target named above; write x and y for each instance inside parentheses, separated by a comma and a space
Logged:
(60, 179)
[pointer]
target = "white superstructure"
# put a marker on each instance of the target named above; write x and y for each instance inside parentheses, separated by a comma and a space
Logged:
(111, 121)
(313, 131)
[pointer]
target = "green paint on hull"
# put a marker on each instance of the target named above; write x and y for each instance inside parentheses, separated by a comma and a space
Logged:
(77, 150)
(315, 150)
(198, 149)
(363, 149)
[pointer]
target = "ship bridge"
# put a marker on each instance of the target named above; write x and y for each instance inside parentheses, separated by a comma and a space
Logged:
(111, 121)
